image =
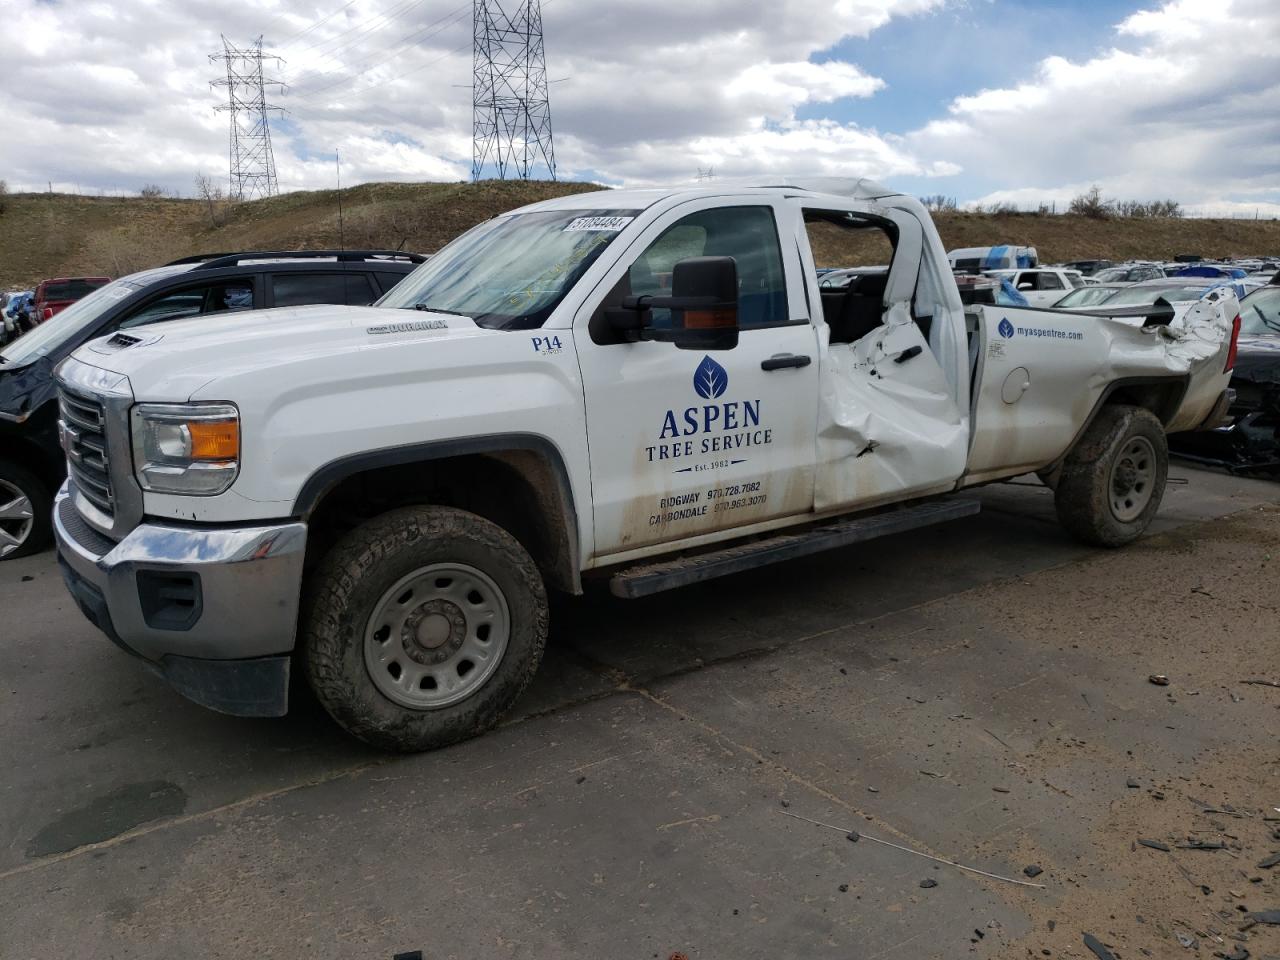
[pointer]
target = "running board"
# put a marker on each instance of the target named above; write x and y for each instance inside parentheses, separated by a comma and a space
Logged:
(641, 581)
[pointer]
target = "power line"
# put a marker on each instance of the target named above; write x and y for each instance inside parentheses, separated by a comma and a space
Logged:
(304, 32)
(411, 41)
(363, 29)
(426, 33)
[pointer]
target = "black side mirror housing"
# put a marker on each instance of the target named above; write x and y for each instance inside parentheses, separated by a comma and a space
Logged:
(703, 305)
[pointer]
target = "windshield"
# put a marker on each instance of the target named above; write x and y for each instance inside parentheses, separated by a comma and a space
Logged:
(1086, 297)
(1112, 275)
(1143, 296)
(72, 289)
(1260, 313)
(511, 272)
(51, 334)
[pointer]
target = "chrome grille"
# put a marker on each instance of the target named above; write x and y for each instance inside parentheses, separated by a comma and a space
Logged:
(85, 443)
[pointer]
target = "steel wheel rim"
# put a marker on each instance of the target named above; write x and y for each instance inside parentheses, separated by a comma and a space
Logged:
(436, 636)
(1133, 479)
(17, 517)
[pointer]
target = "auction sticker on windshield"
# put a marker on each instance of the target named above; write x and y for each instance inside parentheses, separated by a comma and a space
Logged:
(605, 224)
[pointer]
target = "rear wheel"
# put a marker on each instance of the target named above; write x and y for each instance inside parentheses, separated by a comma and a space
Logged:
(1111, 484)
(25, 522)
(425, 626)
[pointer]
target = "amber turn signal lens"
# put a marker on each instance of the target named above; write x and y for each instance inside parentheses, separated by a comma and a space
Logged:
(708, 319)
(214, 439)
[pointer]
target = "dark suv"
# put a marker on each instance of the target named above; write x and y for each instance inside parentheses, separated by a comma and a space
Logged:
(32, 464)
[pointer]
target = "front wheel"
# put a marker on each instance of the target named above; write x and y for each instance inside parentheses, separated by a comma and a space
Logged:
(1112, 482)
(26, 523)
(425, 626)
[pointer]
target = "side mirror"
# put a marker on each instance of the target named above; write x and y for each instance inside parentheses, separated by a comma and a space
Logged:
(703, 305)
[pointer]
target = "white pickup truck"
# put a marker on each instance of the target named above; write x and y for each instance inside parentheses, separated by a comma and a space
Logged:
(1041, 286)
(645, 385)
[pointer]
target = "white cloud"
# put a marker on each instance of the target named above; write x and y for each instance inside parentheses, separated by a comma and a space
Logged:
(1181, 107)
(116, 94)
(802, 82)
(112, 94)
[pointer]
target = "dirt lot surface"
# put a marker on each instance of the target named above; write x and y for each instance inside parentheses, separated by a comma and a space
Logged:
(977, 692)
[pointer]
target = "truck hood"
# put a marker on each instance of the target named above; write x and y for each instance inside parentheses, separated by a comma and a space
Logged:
(172, 361)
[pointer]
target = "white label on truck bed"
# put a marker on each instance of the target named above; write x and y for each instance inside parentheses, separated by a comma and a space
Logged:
(607, 224)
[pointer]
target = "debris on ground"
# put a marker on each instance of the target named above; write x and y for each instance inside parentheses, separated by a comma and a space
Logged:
(1269, 862)
(1099, 951)
(1203, 845)
(1265, 916)
(1159, 679)
(1155, 845)
(1262, 683)
(1032, 870)
(855, 836)
(928, 883)
(1132, 784)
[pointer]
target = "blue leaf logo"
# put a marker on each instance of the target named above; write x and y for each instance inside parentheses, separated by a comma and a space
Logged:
(710, 379)
(1005, 328)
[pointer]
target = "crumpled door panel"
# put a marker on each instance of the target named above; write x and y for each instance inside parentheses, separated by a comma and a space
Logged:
(887, 430)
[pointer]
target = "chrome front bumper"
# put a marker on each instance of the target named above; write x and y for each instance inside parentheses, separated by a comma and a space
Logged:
(238, 595)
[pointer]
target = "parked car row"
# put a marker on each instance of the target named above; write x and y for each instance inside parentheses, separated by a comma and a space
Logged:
(32, 463)
(1250, 440)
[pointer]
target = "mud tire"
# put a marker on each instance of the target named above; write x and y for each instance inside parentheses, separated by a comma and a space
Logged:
(341, 596)
(1084, 491)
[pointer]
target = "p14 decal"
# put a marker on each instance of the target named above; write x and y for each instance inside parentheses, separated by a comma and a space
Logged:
(547, 346)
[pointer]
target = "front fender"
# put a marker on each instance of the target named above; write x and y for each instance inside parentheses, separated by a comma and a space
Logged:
(305, 421)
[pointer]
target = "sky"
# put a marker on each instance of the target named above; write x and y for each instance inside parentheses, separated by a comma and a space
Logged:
(986, 101)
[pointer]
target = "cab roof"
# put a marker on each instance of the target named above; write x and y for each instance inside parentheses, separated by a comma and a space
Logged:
(641, 198)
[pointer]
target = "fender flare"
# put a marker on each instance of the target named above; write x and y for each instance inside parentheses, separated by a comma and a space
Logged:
(1182, 380)
(328, 476)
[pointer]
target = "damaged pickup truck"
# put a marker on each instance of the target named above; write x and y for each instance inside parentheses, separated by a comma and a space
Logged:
(648, 386)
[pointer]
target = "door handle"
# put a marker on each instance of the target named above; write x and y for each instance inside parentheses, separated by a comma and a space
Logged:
(785, 360)
(908, 353)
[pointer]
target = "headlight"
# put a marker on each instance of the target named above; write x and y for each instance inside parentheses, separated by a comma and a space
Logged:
(186, 448)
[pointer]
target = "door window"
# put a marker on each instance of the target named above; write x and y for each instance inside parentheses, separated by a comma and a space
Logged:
(298, 289)
(224, 296)
(1050, 281)
(748, 234)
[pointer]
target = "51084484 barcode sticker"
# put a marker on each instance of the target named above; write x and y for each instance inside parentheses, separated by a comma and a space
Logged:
(605, 224)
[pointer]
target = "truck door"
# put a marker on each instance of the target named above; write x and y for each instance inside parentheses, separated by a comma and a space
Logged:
(684, 443)
(892, 420)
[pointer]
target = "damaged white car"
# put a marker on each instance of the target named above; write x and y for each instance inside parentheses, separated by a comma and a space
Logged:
(648, 386)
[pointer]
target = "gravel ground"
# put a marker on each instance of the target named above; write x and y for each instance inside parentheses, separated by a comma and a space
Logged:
(977, 692)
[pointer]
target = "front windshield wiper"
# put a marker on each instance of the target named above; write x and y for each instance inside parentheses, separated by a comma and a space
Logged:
(426, 309)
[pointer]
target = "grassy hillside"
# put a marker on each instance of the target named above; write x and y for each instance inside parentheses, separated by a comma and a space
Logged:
(44, 235)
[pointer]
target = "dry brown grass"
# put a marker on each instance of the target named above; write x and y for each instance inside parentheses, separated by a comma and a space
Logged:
(43, 235)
